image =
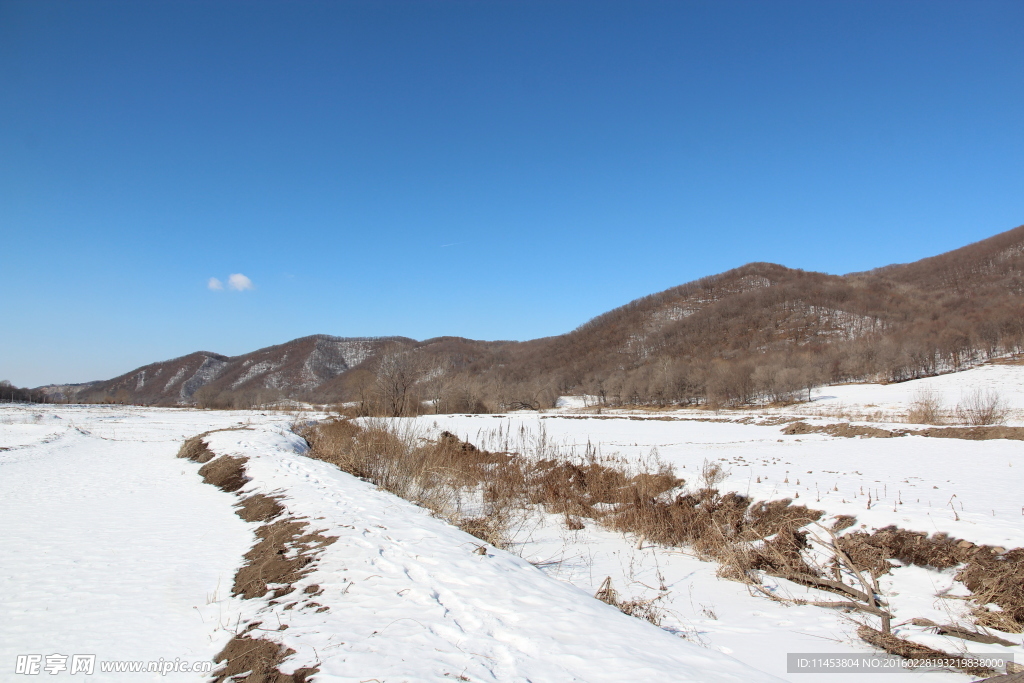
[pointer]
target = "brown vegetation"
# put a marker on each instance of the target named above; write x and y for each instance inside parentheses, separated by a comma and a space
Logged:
(284, 552)
(901, 647)
(762, 333)
(745, 537)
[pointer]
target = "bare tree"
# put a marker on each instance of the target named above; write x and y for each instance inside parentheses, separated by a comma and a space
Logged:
(397, 373)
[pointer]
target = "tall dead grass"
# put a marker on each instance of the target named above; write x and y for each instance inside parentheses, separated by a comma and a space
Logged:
(485, 492)
(926, 408)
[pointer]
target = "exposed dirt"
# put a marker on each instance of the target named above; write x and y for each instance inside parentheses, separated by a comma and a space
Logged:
(847, 430)
(842, 429)
(281, 557)
(260, 658)
(974, 433)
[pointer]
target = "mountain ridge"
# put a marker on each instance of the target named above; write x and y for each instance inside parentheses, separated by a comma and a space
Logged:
(718, 338)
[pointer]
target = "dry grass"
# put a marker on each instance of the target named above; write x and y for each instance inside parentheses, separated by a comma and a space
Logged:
(483, 492)
(991, 574)
(901, 647)
(284, 552)
(486, 492)
(648, 610)
(926, 408)
(444, 474)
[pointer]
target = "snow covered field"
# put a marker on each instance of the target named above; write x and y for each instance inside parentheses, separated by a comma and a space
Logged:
(969, 489)
(116, 548)
(122, 552)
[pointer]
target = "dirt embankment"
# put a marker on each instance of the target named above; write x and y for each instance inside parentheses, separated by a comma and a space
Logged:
(849, 431)
(284, 553)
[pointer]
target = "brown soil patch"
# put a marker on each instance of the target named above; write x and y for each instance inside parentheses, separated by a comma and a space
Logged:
(282, 556)
(226, 473)
(974, 433)
(847, 430)
(260, 658)
(842, 429)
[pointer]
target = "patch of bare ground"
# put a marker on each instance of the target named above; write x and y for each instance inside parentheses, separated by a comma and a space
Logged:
(256, 660)
(284, 553)
(259, 508)
(842, 429)
(974, 433)
(847, 430)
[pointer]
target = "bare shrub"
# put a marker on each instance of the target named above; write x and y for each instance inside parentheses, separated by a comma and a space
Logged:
(712, 474)
(925, 408)
(445, 476)
(982, 407)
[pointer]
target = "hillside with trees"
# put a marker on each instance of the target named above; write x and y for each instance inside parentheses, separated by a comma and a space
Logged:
(759, 333)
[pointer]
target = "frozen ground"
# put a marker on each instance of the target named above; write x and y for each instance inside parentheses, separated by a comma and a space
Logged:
(970, 489)
(114, 547)
(117, 549)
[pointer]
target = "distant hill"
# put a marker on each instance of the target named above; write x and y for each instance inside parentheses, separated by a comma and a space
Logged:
(759, 332)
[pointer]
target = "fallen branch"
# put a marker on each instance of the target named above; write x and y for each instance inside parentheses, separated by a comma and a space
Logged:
(901, 647)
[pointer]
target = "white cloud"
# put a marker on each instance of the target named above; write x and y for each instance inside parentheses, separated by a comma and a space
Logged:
(215, 284)
(239, 282)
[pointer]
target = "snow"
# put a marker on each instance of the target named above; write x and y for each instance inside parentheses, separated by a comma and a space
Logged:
(117, 548)
(412, 600)
(970, 489)
(122, 552)
(952, 388)
(112, 546)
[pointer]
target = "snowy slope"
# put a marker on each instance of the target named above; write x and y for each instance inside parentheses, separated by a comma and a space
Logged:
(411, 600)
(124, 553)
(969, 489)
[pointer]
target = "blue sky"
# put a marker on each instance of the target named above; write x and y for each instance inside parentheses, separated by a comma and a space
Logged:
(493, 170)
